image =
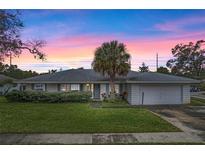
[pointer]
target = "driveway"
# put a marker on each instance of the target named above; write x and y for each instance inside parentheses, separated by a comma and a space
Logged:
(190, 119)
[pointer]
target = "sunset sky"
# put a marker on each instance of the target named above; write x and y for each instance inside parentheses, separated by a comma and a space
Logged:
(73, 35)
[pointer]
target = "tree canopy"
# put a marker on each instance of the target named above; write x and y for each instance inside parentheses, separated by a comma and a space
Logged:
(188, 58)
(15, 72)
(10, 37)
(112, 59)
(162, 69)
(144, 68)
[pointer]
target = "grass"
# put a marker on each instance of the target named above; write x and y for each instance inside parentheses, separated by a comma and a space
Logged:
(77, 118)
(197, 101)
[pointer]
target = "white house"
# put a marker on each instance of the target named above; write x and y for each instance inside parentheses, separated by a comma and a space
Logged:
(141, 88)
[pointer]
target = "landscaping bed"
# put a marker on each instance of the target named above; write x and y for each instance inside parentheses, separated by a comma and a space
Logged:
(45, 97)
(197, 101)
(77, 118)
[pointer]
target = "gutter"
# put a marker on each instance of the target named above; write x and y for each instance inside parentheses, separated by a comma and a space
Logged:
(127, 81)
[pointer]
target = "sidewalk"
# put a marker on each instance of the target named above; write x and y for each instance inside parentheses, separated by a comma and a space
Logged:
(115, 138)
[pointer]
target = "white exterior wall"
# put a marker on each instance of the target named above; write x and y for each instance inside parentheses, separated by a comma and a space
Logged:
(128, 89)
(133, 94)
(117, 88)
(52, 87)
(186, 94)
(103, 89)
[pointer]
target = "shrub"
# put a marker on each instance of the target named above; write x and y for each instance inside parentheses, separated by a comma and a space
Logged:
(202, 86)
(115, 101)
(61, 97)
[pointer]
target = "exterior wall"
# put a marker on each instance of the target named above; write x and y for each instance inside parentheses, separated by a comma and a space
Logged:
(133, 94)
(105, 88)
(29, 87)
(86, 87)
(52, 87)
(92, 90)
(129, 93)
(186, 94)
(117, 88)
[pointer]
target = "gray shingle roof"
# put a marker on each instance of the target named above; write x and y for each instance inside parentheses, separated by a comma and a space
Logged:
(89, 75)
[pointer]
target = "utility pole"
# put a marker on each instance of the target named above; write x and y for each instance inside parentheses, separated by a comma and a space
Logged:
(156, 62)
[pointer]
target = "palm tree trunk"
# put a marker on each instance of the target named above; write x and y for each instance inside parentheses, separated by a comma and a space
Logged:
(112, 84)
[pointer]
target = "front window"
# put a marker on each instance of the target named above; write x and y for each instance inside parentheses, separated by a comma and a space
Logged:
(39, 87)
(75, 87)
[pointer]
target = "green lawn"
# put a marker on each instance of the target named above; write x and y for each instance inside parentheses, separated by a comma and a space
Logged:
(197, 102)
(77, 118)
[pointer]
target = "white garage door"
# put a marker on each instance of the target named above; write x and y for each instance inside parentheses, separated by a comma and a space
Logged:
(161, 95)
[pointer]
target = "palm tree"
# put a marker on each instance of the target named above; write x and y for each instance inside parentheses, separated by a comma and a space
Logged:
(111, 59)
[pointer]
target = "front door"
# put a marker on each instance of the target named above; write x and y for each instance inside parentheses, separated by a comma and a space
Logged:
(96, 91)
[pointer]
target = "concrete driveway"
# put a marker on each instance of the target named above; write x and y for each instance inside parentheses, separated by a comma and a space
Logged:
(190, 119)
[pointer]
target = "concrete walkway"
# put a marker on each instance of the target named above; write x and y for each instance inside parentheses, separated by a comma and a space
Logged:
(115, 138)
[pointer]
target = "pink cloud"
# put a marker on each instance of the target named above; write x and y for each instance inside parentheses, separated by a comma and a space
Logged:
(81, 40)
(177, 25)
(78, 51)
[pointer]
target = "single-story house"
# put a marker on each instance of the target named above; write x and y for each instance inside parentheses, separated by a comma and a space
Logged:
(147, 88)
(6, 84)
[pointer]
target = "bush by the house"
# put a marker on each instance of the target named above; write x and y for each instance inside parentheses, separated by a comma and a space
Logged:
(202, 86)
(115, 101)
(31, 96)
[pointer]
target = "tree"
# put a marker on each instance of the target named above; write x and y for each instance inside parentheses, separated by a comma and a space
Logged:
(112, 60)
(3, 67)
(162, 70)
(52, 71)
(10, 38)
(15, 72)
(144, 68)
(188, 58)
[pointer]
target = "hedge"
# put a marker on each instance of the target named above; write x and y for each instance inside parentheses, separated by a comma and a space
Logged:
(61, 97)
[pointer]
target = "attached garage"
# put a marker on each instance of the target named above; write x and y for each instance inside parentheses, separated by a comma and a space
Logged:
(161, 94)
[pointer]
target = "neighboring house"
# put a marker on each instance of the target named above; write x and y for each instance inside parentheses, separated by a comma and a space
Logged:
(6, 84)
(142, 88)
